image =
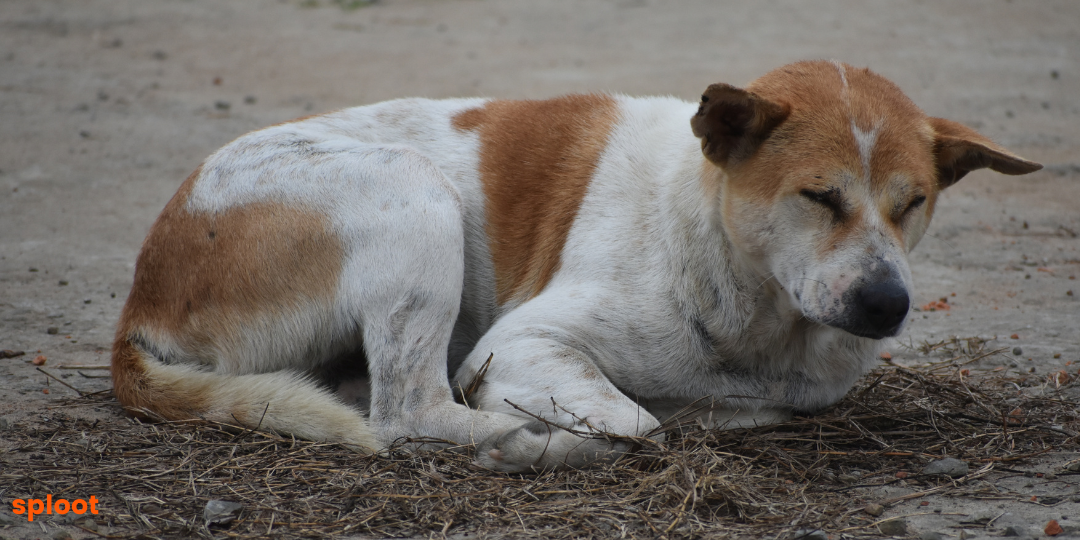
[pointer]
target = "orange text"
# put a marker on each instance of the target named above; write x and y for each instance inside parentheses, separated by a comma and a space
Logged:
(33, 507)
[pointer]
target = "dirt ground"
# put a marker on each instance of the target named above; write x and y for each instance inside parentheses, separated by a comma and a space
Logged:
(107, 105)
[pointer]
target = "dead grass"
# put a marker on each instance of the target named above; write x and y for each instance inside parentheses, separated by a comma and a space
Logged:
(155, 480)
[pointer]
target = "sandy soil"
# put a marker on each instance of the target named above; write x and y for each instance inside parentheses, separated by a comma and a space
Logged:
(106, 106)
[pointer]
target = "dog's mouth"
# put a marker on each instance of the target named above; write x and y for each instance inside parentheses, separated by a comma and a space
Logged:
(874, 333)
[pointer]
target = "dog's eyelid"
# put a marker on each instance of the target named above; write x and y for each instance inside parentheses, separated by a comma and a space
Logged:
(915, 203)
(827, 195)
(901, 212)
(829, 198)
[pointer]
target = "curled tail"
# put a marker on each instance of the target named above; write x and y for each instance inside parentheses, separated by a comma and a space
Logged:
(282, 402)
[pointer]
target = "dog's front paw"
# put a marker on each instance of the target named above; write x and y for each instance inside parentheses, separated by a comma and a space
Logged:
(538, 446)
(522, 449)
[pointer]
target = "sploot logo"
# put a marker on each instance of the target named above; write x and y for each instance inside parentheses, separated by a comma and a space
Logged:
(34, 507)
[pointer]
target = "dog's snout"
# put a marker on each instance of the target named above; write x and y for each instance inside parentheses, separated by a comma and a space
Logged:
(884, 304)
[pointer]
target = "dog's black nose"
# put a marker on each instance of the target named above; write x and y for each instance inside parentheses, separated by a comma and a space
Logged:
(884, 304)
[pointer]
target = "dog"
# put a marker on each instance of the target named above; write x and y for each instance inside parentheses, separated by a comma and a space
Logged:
(529, 276)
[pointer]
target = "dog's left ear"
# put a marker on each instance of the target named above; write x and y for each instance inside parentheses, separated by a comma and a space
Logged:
(959, 150)
(732, 123)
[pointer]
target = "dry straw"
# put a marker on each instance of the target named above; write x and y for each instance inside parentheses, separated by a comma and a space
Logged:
(155, 480)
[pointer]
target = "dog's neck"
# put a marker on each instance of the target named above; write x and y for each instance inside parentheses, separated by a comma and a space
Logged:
(735, 300)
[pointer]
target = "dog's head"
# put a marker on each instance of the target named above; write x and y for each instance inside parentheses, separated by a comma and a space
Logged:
(829, 178)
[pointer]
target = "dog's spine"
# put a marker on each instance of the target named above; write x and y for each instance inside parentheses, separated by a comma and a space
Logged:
(279, 402)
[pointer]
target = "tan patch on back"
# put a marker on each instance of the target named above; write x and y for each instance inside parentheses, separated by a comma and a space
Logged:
(536, 161)
(200, 277)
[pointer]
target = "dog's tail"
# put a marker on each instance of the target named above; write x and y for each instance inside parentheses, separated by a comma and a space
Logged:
(281, 402)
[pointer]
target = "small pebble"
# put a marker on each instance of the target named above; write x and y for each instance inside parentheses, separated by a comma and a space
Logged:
(61, 534)
(52, 330)
(249, 100)
(63, 282)
(4, 425)
(38, 360)
(930, 535)
(1013, 530)
(874, 509)
(8, 353)
(221, 512)
(1053, 528)
(1018, 351)
(847, 478)
(893, 527)
(951, 467)
(222, 105)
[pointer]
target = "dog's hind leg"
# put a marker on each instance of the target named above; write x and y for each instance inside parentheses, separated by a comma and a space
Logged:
(280, 254)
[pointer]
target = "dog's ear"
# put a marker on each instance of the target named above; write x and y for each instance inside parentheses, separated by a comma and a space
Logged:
(732, 123)
(959, 150)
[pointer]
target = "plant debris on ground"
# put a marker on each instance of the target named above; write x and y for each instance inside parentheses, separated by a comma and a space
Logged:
(155, 480)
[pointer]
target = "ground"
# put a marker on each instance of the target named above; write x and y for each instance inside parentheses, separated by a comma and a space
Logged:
(106, 106)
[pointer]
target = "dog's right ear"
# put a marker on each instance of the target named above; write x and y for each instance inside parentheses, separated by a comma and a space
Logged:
(732, 123)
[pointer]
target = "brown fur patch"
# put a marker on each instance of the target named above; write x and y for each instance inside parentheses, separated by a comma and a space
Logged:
(536, 161)
(200, 278)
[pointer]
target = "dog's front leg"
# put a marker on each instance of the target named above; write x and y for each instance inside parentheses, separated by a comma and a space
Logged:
(569, 407)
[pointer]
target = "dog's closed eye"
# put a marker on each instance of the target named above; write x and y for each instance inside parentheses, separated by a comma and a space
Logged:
(915, 203)
(902, 212)
(829, 198)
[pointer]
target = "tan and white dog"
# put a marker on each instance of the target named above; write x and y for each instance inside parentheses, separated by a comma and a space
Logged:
(617, 259)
